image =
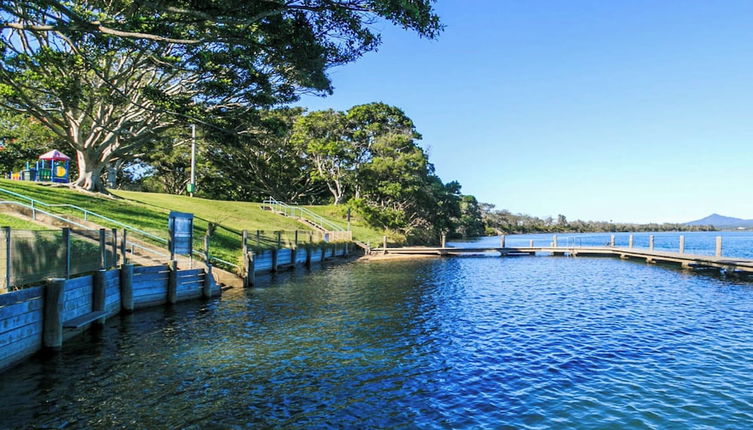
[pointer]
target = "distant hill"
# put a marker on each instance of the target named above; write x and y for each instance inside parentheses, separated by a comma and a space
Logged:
(721, 221)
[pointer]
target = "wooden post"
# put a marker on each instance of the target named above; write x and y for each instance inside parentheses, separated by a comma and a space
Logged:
(244, 252)
(124, 248)
(324, 253)
(611, 240)
(502, 241)
(651, 242)
(294, 251)
(718, 246)
(274, 259)
(554, 241)
(8, 261)
(384, 244)
(251, 264)
(98, 294)
(276, 252)
(172, 283)
(630, 241)
(530, 243)
(114, 247)
(206, 289)
(207, 256)
(258, 238)
(126, 287)
(682, 244)
(102, 249)
(444, 240)
(52, 334)
(67, 250)
(309, 248)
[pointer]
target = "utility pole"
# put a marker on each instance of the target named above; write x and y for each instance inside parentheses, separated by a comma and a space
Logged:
(192, 184)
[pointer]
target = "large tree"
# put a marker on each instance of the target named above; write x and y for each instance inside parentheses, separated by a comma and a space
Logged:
(255, 166)
(369, 156)
(107, 77)
(322, 137)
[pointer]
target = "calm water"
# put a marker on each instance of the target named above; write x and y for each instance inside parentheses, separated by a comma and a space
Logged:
(526, 342)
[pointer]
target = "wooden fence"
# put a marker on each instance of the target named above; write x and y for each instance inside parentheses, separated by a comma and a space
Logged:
(273, 260)
(42, 317)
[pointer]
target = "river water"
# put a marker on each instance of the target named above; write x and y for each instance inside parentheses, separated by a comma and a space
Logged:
(470, 342)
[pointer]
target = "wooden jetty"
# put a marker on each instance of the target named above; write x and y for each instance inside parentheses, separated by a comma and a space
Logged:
(728, 265)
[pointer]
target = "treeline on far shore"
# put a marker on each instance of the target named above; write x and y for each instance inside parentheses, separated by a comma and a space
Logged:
(503, 221)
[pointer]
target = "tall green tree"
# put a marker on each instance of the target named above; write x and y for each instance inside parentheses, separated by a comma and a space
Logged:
(107, 77)
(470, 223)
(322, 137)
(24, 140)
(262, 163)
(395, 185)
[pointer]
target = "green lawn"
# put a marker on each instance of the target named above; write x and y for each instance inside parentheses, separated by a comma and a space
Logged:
(236, 215)
(361, 231)
(149, 212)
(19, 223)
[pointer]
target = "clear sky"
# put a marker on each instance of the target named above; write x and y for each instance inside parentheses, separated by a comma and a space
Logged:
(632, 110)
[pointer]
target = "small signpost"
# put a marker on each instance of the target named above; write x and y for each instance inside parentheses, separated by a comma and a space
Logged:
(180, 228)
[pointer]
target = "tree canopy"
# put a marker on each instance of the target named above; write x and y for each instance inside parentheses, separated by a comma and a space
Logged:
(108, 77)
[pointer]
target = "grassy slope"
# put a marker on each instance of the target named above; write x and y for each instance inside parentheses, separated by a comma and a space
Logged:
(247, 215)
(237, 215)
(18, 223)
(361, 231)
(146, 218)
(148, 212)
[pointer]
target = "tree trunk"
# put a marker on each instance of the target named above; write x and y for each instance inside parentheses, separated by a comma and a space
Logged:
(89, 172)
(112, 175)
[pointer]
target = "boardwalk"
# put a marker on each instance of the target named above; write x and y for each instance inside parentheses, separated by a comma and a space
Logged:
(689, 261)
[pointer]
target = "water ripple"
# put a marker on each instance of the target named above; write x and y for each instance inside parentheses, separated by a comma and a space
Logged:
(528, 343)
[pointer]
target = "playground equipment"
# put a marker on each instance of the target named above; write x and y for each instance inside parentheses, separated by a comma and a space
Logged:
(52, 166)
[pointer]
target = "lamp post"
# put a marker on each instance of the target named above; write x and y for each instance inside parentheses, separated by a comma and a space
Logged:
(192, 184)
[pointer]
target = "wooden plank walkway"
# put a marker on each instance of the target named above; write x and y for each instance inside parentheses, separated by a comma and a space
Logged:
(689, 261)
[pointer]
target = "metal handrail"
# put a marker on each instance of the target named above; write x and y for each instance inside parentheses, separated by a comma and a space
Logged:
(73, 223)
(33, 209)
(34, 203)
(304, 213)
(86, 213)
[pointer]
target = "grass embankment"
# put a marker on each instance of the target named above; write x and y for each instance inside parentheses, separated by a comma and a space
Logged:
(149, 212)
(248, 215)
(361, 231)
(18, 223)
(235, 215)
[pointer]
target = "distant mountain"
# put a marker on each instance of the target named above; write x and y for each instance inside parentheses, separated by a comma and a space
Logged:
(721, 221)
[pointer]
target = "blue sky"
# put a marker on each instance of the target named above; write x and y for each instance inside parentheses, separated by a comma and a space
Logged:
(627, 110)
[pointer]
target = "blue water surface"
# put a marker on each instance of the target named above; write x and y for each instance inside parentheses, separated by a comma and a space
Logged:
(487, 342)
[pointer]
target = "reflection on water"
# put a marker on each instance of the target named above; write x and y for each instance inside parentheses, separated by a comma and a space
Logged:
(530, 342)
